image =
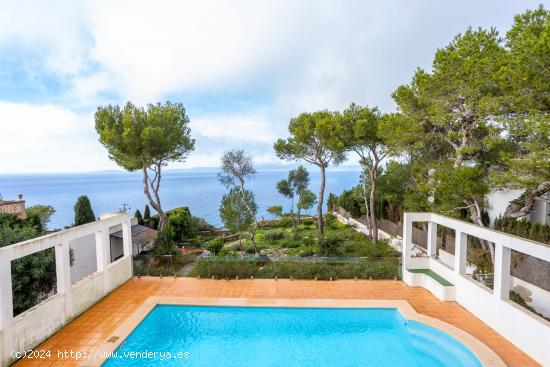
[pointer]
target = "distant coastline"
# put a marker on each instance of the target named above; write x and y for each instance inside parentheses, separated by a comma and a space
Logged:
(197, 188)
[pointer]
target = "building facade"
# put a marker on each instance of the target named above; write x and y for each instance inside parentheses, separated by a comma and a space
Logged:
(16, 206)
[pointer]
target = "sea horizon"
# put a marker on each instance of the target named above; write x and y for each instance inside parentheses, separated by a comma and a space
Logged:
(197, 188)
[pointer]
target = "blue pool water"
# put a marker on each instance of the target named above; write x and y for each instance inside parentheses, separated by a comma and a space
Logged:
(249, 336)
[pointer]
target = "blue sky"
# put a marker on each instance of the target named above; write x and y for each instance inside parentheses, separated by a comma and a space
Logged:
(241, 68)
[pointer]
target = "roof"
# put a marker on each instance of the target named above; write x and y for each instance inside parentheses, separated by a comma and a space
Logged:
(141, 235)
(16, 201)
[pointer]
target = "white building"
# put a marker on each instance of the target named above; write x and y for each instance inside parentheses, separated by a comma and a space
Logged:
(498, 200)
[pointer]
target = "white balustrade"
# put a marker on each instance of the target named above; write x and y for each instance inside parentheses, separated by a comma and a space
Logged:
(27, 330)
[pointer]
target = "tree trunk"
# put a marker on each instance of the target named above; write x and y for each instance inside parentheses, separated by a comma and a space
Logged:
(320, 228)
(374, 222)
(517, 210)
(147, 184)
(475, 215)
(252, 238)
(367, 209)
(292, 211)
(240, 242)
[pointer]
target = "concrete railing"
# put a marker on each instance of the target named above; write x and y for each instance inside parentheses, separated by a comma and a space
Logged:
(526, 330)
(30, 328)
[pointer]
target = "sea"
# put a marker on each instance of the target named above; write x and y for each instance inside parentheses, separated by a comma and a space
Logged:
(111, 191)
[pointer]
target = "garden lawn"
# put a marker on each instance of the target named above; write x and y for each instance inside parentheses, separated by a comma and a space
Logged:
(282, 239)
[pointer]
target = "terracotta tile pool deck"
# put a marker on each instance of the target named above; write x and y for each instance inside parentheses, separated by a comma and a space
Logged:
(87, 332)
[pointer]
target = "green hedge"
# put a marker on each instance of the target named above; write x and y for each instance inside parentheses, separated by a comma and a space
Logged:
(375, 268)
(523, 228)
(153, 265)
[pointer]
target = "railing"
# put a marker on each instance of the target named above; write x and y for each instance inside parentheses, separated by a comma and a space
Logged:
(322, 268)
(526, 267)
(28, 329)
(488, 280)
(526, 330)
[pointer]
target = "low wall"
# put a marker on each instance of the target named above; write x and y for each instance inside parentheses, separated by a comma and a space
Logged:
(524, 329)
(28, 329)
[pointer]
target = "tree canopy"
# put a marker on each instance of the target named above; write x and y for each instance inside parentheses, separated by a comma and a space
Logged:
(313, 139)
(83, 212)
(293, 186)
(146, 139)
(360, 133)
(237, 167)
(478, 121)
(238, 210)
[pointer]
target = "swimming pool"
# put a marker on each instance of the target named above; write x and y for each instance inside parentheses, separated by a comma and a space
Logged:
(265, 336)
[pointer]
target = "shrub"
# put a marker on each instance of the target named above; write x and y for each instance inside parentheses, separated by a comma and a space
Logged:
(331, 221)
(182, 224)
(151, 265)
(285, 222)
(215, 246)
(147, 216)
(274, 235)
(351, 201)
(349, 249)
(83, 212)
(201, 224)
(308, 222)
(330, 245)
(138, 216)
(164, 244)
(225, 251)
(307, 252)
(534, 231)
(291, 243)
(376, 268)
(250, 250)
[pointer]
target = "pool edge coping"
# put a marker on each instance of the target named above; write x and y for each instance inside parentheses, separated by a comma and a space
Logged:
(486, 356)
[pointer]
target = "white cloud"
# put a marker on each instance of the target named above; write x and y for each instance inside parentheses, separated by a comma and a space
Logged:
(292, 56)
(46, 138)
(236, 128)
(49, 138)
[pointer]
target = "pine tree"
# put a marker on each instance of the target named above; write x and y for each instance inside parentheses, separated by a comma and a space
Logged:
(83, 212)
(138, 216)
(147, 215)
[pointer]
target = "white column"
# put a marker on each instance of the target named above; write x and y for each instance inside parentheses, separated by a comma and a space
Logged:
(62, 268)
(127, 238)
(407, 242)
(461, 250)
(103, 249)
(501, 288)
(103, 256)
(6, 304)
(127, 243)
(63, 275)
(432, 239)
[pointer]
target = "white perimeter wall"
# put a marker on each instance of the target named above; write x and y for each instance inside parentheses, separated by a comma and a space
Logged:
(536, 297)
(27, 330)
(527, 331)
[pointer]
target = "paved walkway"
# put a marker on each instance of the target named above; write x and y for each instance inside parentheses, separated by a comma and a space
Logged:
(93, 327)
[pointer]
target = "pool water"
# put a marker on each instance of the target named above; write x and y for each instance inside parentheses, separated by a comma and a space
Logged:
(260, 336)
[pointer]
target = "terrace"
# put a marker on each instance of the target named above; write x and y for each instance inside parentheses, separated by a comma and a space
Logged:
(97, 312)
